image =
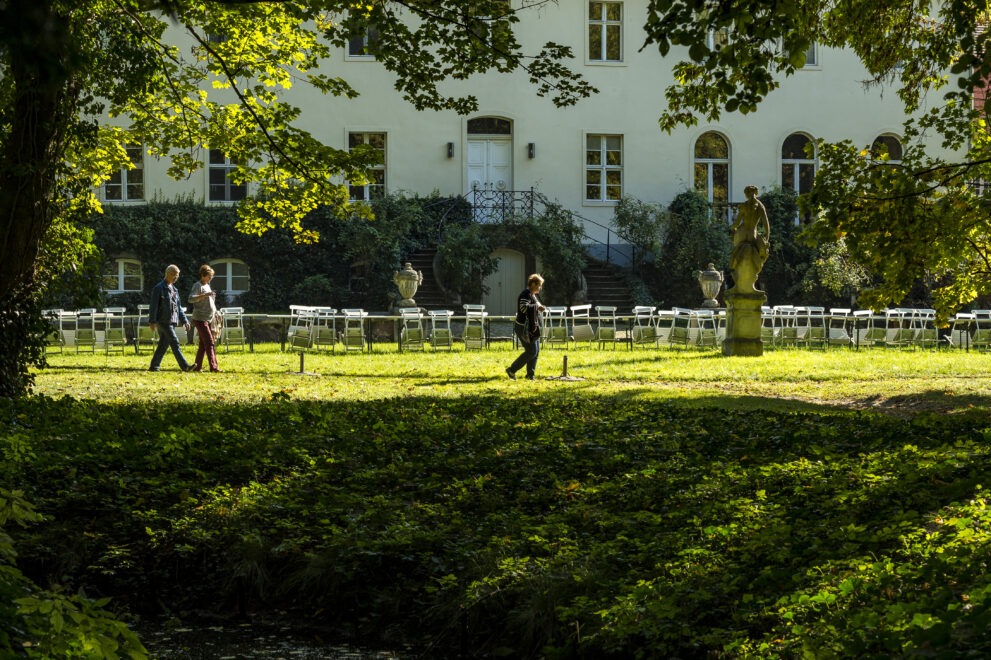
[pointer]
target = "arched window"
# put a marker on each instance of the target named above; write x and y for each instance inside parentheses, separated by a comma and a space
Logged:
(887, 147)
(122, 274)
(230, 276)
(798, 165)
(489, 126)
(712, 171)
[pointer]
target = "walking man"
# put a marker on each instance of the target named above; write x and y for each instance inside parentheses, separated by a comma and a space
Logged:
(164, 314)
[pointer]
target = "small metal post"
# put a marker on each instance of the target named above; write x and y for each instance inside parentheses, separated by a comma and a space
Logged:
(301, 369)
(564, 372)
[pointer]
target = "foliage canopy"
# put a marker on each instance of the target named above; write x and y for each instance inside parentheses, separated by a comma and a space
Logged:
(180, 77)
(919, 217)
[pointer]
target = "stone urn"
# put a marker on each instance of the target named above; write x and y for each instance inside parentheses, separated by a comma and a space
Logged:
(711, 281)
(407, 280)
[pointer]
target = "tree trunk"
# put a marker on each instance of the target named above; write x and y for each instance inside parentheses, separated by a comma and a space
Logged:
(31, 155)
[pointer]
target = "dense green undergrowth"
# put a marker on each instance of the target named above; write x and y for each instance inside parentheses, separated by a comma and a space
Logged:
(589, 519)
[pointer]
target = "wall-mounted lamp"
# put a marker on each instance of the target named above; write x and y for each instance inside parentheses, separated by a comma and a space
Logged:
(450, 150)
(531, 150)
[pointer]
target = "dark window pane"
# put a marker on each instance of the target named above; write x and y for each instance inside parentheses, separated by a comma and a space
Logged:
(794, 147)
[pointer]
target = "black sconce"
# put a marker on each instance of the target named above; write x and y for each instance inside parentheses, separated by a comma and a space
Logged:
(531, 150)
(450, 150)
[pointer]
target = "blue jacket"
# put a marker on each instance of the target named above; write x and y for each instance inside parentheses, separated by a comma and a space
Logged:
(160, 309)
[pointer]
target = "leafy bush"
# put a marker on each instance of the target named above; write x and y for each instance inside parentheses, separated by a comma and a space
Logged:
(693, 238)
(38, 623)
(652, 528)
(641, 224)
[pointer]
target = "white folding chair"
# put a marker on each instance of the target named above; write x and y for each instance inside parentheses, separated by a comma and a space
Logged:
(440, 328)
(85, 334)
(704, 323)
(644, 331)
(607, 332)
(412, 336)
(353, 336)
(114, 334)
(963, 324)
(555, 330)
(54, 338)
(474, 332)
(839, 327)
(324, 332)
(981, 339)
(581, 324)
(681, 327)
(302, 320)
(233, 333)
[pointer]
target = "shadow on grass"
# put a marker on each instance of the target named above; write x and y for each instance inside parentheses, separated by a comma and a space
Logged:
(378, 516)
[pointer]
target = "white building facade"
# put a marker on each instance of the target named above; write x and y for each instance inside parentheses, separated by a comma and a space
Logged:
(585, 157)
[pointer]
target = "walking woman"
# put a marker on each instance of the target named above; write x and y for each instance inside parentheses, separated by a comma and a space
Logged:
(529, 319)
(204, 308)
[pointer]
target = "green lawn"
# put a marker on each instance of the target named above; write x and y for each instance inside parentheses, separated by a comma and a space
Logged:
(669, 504)
(900, 381)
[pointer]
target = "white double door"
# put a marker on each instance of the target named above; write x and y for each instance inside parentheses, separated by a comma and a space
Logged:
(490, 164)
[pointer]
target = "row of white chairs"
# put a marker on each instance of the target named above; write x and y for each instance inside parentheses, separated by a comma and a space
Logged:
(92, 328)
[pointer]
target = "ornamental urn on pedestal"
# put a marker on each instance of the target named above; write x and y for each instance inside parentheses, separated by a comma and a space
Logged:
(407, 280)
(711, 281)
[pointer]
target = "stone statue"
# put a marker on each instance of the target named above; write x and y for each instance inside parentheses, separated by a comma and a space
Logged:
(750, 248)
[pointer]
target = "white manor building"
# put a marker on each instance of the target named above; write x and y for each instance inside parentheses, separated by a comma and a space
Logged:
(585, 157)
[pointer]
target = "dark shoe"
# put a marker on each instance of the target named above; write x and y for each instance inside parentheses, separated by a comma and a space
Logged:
(189, 367)
(153, 369)
(197, 368)
(529, 377)
(216, 371)
(510, 373)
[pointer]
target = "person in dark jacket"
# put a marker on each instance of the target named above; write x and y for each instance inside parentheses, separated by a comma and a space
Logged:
(529, 319)
(164, 314)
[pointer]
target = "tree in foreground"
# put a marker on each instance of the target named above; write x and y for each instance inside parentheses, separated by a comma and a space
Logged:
(66, 65)
(917, 216)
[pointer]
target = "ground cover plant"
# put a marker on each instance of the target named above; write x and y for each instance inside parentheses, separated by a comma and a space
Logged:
(671, 504)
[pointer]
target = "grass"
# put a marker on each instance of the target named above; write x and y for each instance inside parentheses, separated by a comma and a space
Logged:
(901, 382)
(669, 504)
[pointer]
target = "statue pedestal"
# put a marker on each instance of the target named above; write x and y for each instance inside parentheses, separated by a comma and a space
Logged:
(743, 323)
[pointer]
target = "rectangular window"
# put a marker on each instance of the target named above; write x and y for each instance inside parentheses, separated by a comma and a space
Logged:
(359, 43)
(122, 275)
(127, 185)
(605, 31)
(811, 56)
(375, 188)
(222, 188)
(603, 168)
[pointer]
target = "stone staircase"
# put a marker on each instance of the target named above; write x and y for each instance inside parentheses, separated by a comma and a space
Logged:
(607, 287)
(429, 295)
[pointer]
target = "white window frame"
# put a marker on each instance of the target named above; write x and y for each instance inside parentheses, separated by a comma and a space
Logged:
(604, 24)
(715, 38)
(603, 168)
(227, 166)
(126, 177)
(890, 161)
(223, 279)
(812, 56)
(121, 263)
(797, 163)
(370, 36)
(710, 164)
(369, 188)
